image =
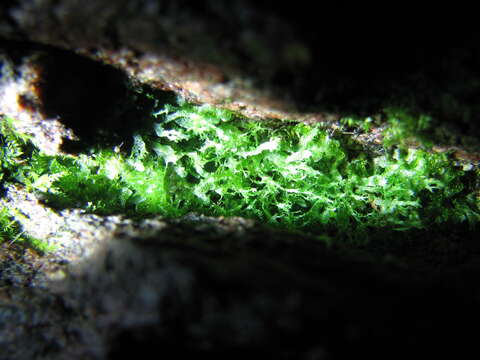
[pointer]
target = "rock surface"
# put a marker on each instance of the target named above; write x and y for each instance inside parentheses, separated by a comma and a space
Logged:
(224, 287)
(265, 59)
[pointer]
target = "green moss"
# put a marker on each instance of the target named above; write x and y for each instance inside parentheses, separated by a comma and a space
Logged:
(12, 149)
(353, 123)
(401, 127)
(203, 159)
(293, 176)
(15, 151)
(10, 229)
(404, 126)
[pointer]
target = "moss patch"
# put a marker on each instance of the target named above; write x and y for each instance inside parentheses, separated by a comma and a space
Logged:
(293, 176)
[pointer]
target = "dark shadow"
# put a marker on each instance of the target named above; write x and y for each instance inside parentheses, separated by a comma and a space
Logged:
(265, 293)
(87, 96)
(97, 101)
(362, 60)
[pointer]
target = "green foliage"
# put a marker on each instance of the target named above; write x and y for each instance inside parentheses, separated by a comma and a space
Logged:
(403, 126)
(292, 176)
(203, 159)
(365, 124)
(13, 149)
(104, 182)
(10, 230)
